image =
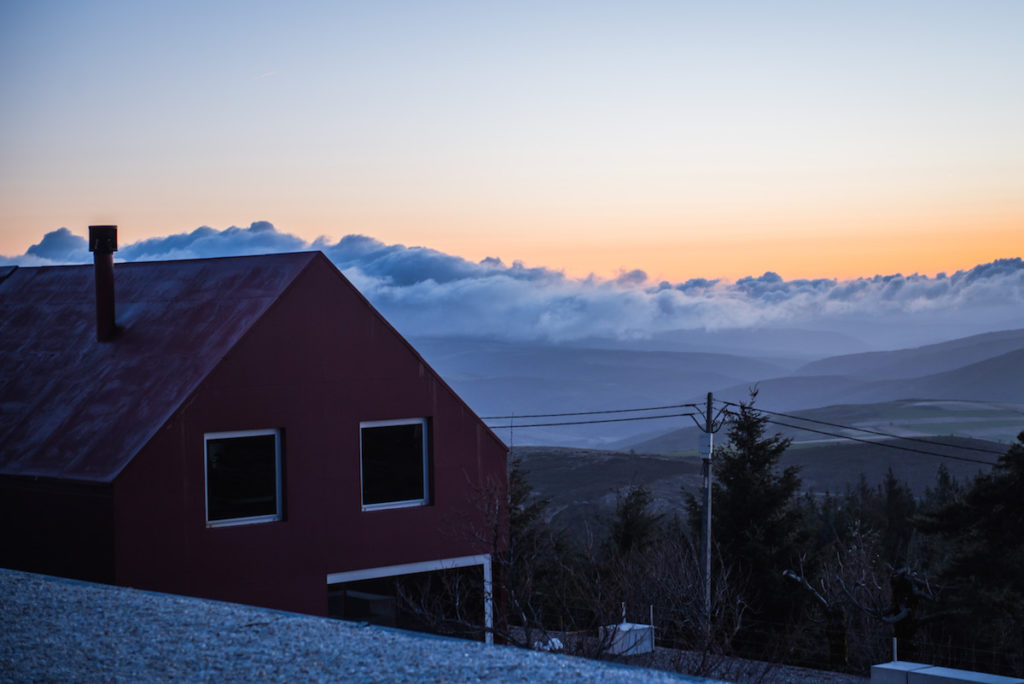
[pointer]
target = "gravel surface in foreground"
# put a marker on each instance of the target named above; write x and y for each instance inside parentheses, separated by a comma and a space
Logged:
(53, 629)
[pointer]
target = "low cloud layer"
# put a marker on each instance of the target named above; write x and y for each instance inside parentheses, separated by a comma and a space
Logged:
(426, 292)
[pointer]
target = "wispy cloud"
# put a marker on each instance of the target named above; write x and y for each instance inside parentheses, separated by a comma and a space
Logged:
(427, 292)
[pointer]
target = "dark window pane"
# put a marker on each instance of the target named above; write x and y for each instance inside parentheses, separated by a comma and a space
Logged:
(393, 463)
(241, 477)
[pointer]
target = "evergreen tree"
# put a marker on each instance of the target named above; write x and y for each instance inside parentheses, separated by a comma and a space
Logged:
(634, 526)
(932, 552)
(947, 490)
(756, 524)
(983, 568)
(526, 510)
(899, 506)
(533, 570)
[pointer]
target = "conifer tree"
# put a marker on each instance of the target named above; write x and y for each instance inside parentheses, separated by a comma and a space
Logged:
(899, 507)
(634, 526)
(756, 524)
(983, 568)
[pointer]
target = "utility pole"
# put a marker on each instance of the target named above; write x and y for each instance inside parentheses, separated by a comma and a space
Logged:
(706, 449)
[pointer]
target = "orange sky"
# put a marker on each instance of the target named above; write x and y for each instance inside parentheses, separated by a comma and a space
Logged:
(796, 243)
(687, 140)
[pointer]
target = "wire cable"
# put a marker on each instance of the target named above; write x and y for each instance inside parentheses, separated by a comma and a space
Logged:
(588, 422)
(882, 444)
(511, 425)
(588, 413)
(873, 432)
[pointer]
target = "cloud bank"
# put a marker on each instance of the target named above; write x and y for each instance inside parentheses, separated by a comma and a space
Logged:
(427, 292)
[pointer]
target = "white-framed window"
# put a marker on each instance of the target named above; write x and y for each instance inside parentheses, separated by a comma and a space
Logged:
(243, 477)
(394, 458)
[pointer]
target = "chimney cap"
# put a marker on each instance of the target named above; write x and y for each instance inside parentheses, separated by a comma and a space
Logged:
(103, 239)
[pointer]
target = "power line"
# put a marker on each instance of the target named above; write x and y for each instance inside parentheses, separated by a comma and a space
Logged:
(588, 413)
(513, 425)
(881, 444)
(590, 422)
(873, 432)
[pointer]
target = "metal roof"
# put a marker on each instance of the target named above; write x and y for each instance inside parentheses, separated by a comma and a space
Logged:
(75, 408)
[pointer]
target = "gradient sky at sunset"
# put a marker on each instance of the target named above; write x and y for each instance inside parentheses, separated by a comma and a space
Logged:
(718, 139)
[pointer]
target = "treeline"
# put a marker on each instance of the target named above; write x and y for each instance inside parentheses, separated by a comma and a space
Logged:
(825, 582)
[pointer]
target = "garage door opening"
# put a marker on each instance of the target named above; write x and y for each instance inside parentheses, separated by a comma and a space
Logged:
(451, 596)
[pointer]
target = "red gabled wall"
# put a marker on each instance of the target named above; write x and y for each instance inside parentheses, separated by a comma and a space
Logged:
(319, 362)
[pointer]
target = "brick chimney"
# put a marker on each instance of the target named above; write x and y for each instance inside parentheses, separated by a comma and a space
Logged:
(103, 244)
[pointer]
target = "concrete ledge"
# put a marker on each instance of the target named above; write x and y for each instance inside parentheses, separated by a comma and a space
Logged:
(895, 672)
(903, 672)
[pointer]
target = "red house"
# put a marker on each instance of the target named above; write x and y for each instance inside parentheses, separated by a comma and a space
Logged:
(247, 429)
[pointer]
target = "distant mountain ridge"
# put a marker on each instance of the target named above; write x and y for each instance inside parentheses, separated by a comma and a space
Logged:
(926, 360)
(998, 376)
(768, 342)
(996, 379)
(505, 378)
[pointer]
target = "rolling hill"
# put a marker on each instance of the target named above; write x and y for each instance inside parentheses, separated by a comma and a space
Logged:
(927, 360)
(967, 392)
(499, 378)
(997, 379)
(927, 419)
(581, 485)
(524, 379)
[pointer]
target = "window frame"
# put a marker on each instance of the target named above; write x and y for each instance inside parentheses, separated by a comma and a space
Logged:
(278, 515)
(424, 422)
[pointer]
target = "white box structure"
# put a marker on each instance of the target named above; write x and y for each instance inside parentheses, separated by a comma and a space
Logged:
(628, 638)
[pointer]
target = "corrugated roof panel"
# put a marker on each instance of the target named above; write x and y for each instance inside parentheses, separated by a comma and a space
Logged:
(76, 408)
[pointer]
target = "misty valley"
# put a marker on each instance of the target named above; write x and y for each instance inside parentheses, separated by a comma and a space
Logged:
(969, 387)
(857, 496)
(967, 392)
